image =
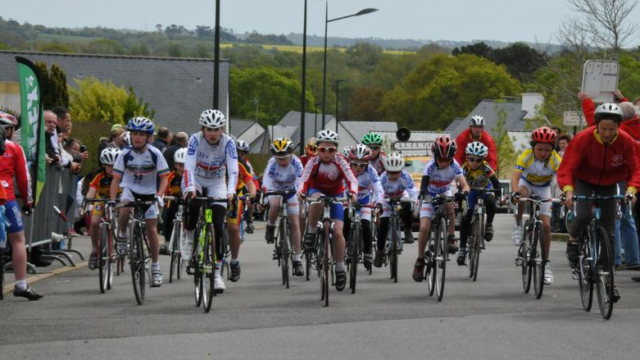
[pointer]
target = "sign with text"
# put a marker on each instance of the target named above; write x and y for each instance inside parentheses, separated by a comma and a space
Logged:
(573, 118)
(600, 79)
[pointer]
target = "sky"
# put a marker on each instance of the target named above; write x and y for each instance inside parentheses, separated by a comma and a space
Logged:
(458, 20)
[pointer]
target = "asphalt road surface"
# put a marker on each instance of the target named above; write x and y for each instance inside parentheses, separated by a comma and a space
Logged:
(257, 318)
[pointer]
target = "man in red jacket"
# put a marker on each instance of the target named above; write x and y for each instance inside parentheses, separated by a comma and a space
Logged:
(611, 158)
(630, 122)
(476, 132)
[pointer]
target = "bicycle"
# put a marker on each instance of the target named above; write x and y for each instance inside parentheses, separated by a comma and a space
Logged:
(437, 253)
(307, 252)
(324, 239)
(282, 252)
(595, 264)
(530, 255)
(106, 235)
(355, 243)
(476, 241)
(3, 242)
(177, 234)
(394, 240)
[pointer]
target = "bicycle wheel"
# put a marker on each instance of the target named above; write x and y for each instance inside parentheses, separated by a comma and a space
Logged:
(354, 254)
(525, 257)
(176, 257)
(2, 273)
(208, 269)
(101, 249)
(537, 261)
(393, 253)
(308, 260)
(442, 252)
(325, 262)
(283, 244)
(604, 273)
(195, 262)
(471, 245)
(585, 273)
(429, 259)
(137, 262)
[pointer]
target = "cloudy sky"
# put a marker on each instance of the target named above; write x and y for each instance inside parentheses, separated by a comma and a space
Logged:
(461, 20)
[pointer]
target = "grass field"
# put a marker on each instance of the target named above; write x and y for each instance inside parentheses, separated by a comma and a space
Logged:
(67, 39)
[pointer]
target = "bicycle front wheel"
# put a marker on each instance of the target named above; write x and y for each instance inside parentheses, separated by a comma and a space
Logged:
(474, 247)
(442, 252)
(176, 257)
(137, 262)
(325, 263)
(283, 244)
(103, 271)
(208, 269)
(393, 256)
(354, 254)
(604, 273)
(538, 261)
(525, 259)
(585, 272)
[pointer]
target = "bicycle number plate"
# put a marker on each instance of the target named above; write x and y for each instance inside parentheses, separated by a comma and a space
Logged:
(208, 215)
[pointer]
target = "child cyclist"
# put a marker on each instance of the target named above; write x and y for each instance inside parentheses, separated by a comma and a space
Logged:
(438, 175)
(479, 175)
(174, 189)
(211, 169)
(533, 173)
(374, 142)
(324, 175)
(99, 187)
(369, 192)
(136, 171)
(396, 182)
(284, 173)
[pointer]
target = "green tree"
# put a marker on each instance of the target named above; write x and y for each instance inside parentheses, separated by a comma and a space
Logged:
(104, 46)
(507, 155)
(364, 104)
(57, 89)
(478, 49)
(56, 47)
(520, 59)
(4, 46)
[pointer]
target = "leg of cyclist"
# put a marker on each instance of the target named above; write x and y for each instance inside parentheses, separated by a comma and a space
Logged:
(151, 228)
(607, 220)
(465, 226)
(123, 224)
(337, 215)
(490, 206)
(516, 235)
(407, 222)
(274, 209)
(314, 215)
(383, 233)
(449, 210)
(294, 222)
(15, 235)
(233, 230)
(426, 213)
(190, 220)
(365, 221)
(167, 228)
(95, 233)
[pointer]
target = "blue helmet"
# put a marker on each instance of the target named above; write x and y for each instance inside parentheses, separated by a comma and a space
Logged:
(142, 124)
(477, 148)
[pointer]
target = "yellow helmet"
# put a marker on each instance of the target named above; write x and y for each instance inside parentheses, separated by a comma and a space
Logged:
(282, 146)
(311, 148)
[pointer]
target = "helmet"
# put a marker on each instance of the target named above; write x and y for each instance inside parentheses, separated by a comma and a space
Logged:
(311, 148)
(180, 155)
(126, 138)
(444, 147)
(347, 150)
(109, 155)
(372, 139)
(282, 146)
(242, 145)
(8, 120)
(477, 148)
(329, 136)
(213, 119)
(544, 135)
(476, 120)
(608, 111)
(142, 124)
(394, 162)
(360, 152)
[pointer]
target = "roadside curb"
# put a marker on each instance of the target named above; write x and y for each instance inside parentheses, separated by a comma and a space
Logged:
(8, 289)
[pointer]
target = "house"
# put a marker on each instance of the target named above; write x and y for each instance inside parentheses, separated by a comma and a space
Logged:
(248, 130)
(351, 132)
(178, 89)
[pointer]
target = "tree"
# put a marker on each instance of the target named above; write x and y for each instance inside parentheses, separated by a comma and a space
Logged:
(54, 85)
(507, 155)
(364, 104)
(520, 59)
(478, 49)
(56, 47)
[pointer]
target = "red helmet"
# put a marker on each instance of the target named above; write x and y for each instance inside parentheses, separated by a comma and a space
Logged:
(8, 120)
(360, 152)
(544, 135)
(444, 147)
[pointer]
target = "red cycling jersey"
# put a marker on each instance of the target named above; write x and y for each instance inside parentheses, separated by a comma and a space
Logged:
(328, 177)
(465, 138)
(13, 163)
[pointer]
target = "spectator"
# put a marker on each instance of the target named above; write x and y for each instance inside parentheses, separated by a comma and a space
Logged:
(163, 139)
(114, 139)
(563, 142)
(557, 221)
(181, 140)
(51, 144)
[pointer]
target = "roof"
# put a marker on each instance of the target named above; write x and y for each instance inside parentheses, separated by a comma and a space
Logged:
(313, 124)
(178, 89)
(490, 110)
(358, 129)
(237, 127)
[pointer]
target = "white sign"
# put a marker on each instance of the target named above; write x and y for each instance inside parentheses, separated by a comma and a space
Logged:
(573, 118)
(600, 79)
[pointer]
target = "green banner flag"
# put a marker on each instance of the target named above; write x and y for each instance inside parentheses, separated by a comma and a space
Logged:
(32, 126)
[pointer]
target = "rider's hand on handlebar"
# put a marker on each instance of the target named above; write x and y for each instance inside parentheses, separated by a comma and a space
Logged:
(568, 202)
(459, 196)
(353, 198)
(515, 196)
(631, 198)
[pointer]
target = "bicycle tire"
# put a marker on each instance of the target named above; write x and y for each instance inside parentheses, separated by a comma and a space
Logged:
(208, 270)
(429, 258)
(325, 262)
(538, 262)
(442, 252)
(354, 255)
(2, 250)
(474, 249)
(585, 273)
(525, 253)
(283, 243)
(137, 262)
(197, 274)
(308, 258)
(393, 258)
(101, 253)
(604, 274)
(176, 237)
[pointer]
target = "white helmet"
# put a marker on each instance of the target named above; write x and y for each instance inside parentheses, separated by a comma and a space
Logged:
(477, 148)
(329, 136)
(394, 162)
(476, 120)
(109, 155)
(180, 155)
(213, 119)
(347, 150)
(242, 145)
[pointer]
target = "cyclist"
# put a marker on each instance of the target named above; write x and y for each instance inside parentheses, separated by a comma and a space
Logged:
(136, 171)
(174, 189)
(476, 132)
(284, 172)
(13, 165)
(100, 187)
(211, 159)
(310, 150)
(438, 175)
(478, 174)
(533, 173)
(612, 158)
(374, 142)
(243, 150)
(323, 175)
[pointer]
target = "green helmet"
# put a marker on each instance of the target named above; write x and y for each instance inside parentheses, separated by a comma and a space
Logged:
(372, 139)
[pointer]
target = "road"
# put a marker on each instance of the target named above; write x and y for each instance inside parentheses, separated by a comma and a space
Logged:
(257, 318)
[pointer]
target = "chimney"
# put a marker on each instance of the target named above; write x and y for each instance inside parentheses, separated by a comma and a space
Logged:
(531, 101)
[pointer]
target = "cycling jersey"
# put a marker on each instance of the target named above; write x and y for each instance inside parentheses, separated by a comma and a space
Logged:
(378, 163)
(369, 184)
(102, 183)
(327, 177)
(249, 167)
(140, 171)
(304, 159)
(175, 184)
(207, 164)
(536, 172)
(244, 177)
(403, 186)
(440, 179)
(283, 178)
(13, 163)
(480, 177)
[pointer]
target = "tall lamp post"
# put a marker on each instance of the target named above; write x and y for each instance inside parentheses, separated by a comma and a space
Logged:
(304, 80)
(338, 101)
(257, 102)
(315, 122)
(216, 64)
(324, 72)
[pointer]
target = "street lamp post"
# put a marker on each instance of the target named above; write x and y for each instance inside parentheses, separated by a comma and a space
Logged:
(304, 80)
(324, 72)
(315, 122)
(216, 64)
(338, 101)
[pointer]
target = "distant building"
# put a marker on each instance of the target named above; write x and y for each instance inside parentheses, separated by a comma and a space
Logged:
(248, 130)
(351, 132)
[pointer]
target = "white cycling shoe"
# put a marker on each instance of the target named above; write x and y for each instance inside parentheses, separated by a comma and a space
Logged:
(218, 284)
(516, 235)
(548, 275)
(186, 246)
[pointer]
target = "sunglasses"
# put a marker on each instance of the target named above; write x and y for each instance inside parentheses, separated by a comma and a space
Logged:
(358, 165)
(282, 158)
(444, 160)
(374, 147)
(393, 172)
(312, 148)
(327, 150)
(474, 160)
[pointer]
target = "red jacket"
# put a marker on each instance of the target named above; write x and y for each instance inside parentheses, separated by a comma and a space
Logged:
(588, 159)
(631, 127)
(328, 177)
(465, 138)
(13, 163)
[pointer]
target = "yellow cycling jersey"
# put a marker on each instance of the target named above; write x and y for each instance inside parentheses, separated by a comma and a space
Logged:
(536, 172)
(478, 178)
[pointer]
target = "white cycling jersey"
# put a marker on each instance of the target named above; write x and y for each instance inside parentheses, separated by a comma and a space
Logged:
(369, 184)
(440, 179)
(207, 165)
(378, 163)
(278, 178)
(140, 170)
(403, 186)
